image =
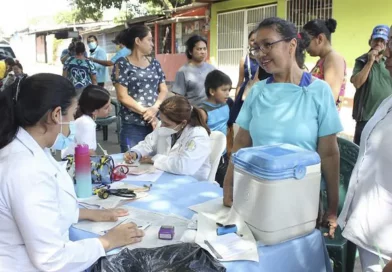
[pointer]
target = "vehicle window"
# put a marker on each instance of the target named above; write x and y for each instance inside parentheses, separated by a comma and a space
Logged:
(6, 52)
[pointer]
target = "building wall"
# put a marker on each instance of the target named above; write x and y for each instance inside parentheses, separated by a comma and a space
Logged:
(356, 19)
(236, 5)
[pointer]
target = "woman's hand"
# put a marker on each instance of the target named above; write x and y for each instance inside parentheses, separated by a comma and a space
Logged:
(122, 235)
(147, 160)
(130, 157)
(330, 221)
(109, 215)
(154, 123)
(150, 114)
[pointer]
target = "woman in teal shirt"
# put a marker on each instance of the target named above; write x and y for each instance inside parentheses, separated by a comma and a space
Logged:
(290, 107)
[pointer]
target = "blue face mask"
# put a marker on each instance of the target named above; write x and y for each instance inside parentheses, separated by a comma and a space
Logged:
(62, 142)
(92, 45)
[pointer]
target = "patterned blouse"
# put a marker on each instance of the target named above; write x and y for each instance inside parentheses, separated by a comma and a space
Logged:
(318, 71)
(142, 85)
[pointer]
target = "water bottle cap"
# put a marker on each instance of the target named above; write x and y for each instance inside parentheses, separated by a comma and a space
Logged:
(82, 149)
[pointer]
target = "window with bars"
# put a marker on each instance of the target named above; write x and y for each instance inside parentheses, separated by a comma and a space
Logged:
(232, 36)
(165, 39)
(300, 12)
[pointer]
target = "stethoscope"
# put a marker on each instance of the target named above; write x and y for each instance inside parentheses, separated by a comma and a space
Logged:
(119, 172)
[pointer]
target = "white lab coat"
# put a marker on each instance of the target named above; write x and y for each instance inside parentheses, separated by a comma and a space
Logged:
(367, 212)
(189, 156)
(37, 207)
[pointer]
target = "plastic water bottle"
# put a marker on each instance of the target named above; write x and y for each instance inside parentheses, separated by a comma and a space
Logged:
(84, 186)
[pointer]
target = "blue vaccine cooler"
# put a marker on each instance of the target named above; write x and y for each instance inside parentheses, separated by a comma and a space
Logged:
(277, 190)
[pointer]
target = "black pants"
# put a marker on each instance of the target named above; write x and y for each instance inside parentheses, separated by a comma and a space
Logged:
(358, 131)
(222, 168)
(102, 84)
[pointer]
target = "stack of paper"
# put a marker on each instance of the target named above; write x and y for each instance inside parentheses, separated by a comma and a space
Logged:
(229, 247)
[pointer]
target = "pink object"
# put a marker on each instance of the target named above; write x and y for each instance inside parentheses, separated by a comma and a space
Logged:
(84, 187)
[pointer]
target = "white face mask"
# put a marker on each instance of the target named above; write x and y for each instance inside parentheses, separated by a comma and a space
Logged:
(165, 131)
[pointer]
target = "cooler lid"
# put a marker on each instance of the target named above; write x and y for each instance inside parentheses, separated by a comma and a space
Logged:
(275, 162)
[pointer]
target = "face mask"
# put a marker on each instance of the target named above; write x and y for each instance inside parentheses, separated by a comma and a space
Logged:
(165, 131)
(62, 142)
(92, 45)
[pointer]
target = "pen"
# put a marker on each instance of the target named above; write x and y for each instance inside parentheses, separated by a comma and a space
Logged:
(144, 227)
(119, 223)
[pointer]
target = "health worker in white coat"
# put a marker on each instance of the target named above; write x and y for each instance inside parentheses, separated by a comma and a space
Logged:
(180, 145)
(367, 212)
(38, 204)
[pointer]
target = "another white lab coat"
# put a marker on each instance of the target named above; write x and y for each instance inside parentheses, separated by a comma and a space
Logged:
(367, 212)
(37, 207)
(189, 156)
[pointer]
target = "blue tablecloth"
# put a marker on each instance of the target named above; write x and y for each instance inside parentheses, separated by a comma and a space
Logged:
(173, 194)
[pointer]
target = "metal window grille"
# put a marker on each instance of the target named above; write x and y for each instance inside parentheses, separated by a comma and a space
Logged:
(233, 30)
(300, 12)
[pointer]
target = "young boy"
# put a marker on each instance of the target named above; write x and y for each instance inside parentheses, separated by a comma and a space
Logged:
(217, 112)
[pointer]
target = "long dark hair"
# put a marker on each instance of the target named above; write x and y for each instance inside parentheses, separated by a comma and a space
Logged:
(288, 31)
(27, 101)
(177, 109)
(129, 36)
(92, 98)
(317, 27)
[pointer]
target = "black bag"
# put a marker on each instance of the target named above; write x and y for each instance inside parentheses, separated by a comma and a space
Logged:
(184, 257)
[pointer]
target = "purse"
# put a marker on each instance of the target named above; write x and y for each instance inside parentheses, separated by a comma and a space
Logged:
(101, 168)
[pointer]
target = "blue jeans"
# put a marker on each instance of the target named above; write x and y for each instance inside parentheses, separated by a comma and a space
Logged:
(131, 135)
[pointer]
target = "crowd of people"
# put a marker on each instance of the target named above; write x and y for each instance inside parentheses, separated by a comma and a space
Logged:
(277, 100)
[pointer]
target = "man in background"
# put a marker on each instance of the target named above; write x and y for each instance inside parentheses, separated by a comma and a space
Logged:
(97, 52)
(371, 80)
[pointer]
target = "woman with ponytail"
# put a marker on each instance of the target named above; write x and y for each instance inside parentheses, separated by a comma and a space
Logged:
(93, 103)
(38, 204)
(181, 143)
(331, 66)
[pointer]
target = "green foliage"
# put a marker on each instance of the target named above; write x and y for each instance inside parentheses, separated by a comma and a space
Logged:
(75, 16)
(89, 9)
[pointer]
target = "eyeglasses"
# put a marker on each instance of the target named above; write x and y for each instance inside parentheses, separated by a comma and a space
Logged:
(266, 47)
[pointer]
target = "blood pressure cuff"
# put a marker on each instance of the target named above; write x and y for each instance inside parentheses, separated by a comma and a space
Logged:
(186, 257)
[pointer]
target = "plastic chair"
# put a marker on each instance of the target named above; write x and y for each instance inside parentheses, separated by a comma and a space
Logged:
(218, 146)
(105, 122)
(341, 251)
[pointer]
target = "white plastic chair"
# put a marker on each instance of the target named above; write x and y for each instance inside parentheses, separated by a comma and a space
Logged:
(218, 146)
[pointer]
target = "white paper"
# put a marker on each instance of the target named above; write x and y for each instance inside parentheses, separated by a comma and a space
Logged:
(206, 230)
(214, 209)
(101, 228)
(149, 177)
(230, 245)
(142, 218)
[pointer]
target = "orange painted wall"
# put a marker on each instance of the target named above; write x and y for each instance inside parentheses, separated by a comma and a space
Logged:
(171, 63)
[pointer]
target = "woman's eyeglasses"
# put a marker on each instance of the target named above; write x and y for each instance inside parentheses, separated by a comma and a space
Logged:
(266, 47)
